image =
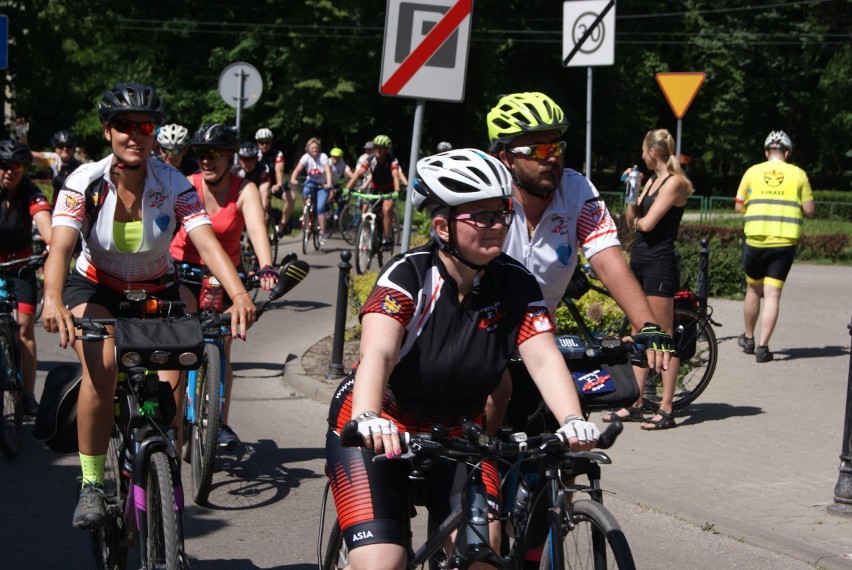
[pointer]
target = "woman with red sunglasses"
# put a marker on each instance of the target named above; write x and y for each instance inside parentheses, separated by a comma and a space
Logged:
(127, 207)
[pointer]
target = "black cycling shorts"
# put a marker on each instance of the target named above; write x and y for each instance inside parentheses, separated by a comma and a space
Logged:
(657, 278)
(771, 263)
(26, 291)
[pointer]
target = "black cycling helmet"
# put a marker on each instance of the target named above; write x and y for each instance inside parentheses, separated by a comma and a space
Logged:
(215, 136)
(131, 98)
(63, 138)
(12, 151)
(248, 150)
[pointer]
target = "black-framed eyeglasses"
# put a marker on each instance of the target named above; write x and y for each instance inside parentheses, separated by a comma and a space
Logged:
(5, 165)
(488, 219)
(208, 154)
(127, 127)
(264, 142)
(541, 151)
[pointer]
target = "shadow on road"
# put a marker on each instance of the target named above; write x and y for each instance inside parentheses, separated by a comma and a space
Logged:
(812, 352)
(243, 565)
(711, 411)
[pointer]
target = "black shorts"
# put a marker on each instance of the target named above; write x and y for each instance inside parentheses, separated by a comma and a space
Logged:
(657, 278)
(26, 291)
(79, 290)
(772, 263)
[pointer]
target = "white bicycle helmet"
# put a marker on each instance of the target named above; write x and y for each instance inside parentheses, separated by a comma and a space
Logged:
(460, 176)
(263, 134)
(172, 136)
(778, 140)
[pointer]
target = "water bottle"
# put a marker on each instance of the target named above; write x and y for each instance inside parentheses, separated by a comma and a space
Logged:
(631, 191)
(212, 295)
(4, 291)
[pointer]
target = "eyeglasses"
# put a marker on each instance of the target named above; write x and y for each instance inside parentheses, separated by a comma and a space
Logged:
(488, 219)
(208, 154)
(173, 151)
(129, 127)
(62, 147)
(541, 151)
(11, 166)
(264, 142)
(253, 157)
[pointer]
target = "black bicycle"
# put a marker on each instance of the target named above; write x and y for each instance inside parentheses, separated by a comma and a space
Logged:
(368, 237)
(310, 221)
(11, 377)
(579, 533)
(248, 257)
(142, 482)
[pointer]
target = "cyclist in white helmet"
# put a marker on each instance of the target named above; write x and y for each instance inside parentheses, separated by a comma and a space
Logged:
(773, 196)
(173, 140)
(273, 158)
(433, 358)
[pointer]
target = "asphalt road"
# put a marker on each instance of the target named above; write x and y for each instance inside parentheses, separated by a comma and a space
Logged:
(265, 503)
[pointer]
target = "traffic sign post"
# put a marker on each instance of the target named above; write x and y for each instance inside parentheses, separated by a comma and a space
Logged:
(680, 89)
(424, 57)
(240, 86)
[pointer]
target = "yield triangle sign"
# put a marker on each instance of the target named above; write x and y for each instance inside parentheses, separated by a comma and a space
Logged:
(680, 89)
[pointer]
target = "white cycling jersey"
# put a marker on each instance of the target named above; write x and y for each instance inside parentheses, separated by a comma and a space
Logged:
(168, 199)
(576, 218)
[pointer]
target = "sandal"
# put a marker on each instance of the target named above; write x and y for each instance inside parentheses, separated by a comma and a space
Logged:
(666, 421)
(633, 415)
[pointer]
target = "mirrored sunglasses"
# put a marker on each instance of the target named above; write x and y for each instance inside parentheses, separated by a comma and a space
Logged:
(173, 151)
(488, 219)
(4, 165)
(129, 127)
(541, 151)
(208, 154)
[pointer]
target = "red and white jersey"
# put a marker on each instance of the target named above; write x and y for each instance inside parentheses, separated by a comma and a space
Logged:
(168, 199)
(576, 219)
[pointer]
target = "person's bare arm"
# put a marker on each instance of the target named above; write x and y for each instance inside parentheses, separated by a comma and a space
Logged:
(809, 209)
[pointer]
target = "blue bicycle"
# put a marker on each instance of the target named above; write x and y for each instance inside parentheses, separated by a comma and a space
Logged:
(205, 387)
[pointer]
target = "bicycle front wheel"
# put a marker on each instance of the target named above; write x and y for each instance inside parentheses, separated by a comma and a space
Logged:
(273, 239)
(594, 540)
(164, 543)
(248, 259)
(695, 341)
(364, 247)
(12, 396)
(348, 222)
(206, 426)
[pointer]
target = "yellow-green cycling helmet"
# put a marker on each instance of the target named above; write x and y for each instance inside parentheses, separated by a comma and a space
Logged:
(382, 140)
(335, 152)
(521, 113)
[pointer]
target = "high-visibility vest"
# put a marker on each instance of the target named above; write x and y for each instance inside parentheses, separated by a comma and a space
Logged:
(774, 201)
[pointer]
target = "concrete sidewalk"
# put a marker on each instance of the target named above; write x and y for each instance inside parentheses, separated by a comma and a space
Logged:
(756, 457)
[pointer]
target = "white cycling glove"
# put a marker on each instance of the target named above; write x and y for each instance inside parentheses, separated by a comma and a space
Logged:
(575, 426)
(370, 424)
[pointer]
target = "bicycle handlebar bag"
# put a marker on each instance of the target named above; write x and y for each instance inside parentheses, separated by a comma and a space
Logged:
(601, 385)
(174, 343)
(56, 420)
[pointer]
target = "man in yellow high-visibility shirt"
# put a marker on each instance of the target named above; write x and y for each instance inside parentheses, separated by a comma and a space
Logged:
(773, 196)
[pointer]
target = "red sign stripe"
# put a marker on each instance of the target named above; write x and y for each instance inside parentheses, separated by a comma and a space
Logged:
(427, 48)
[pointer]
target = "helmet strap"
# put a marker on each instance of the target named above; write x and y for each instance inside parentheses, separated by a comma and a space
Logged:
(450, 248)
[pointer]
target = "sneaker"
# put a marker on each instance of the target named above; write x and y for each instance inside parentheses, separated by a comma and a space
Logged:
(387, 245)
(323, 239)
(762, 354)
(91, 507)
(282, 231)
(747, 343)
(30, 405)
(227, 438)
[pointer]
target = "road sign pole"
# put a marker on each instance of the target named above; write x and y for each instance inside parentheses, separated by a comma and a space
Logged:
(589, 123)
(412, 172)
(679, 132)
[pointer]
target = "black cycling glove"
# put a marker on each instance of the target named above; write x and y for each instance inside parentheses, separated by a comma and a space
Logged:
(652, 337)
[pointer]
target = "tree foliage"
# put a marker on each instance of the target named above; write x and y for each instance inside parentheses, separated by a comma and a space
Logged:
(769, 65)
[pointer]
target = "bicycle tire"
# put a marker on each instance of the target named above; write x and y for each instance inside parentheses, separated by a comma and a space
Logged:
(11, 394)
(109, 545)
(273, 240)
(315, 231)
(594, 541)
(164, 544)
(364, 246)
(248, 259)
(306, 227)
(695, 372)
(336, 554)
(348, 222)
(206, 427)
(39, 277)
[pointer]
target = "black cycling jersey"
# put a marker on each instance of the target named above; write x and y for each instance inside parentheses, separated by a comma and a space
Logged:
(382, 172)
(454, 352)
(269, 158)
(259, 175)
(66, 169)
(16, 216)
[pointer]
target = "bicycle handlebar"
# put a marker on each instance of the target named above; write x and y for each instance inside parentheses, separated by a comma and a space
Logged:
(386, 196)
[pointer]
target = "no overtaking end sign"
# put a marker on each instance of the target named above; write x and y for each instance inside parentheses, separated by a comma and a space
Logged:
(425, 49)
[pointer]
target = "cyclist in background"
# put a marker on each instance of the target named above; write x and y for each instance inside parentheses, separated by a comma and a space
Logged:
(174, 148)
(773, 196)
(559, 214)
(364, 181)
(138, 204)
(655, 219)
(433, 358)
(273, 158)
(317, 167)
(22, 205)
(443, 147)
(61, 161)
(233, 204)
(340, 171)
(384, 179)
(253, 170)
